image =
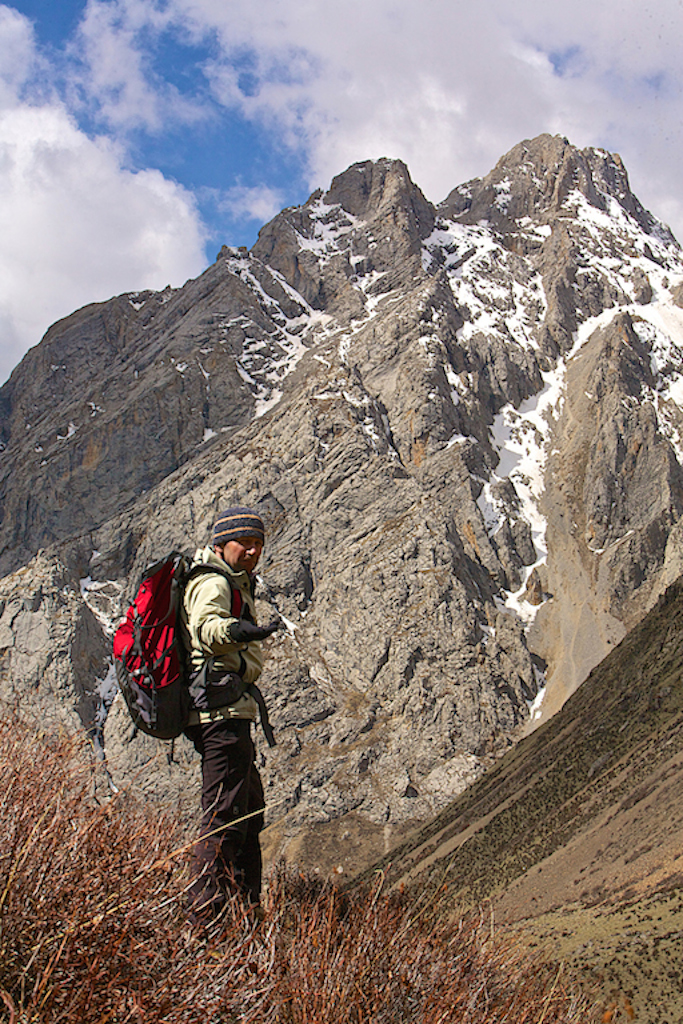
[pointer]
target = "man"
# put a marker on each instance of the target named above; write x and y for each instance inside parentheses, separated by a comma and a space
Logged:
(224, 646)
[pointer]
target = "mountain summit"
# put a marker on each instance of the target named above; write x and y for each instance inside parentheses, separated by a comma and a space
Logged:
(461, 424)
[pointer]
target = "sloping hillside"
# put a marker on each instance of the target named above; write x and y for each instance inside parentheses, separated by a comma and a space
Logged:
(577, 833)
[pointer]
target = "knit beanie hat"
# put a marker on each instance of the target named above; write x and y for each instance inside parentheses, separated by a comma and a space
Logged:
(238, 522)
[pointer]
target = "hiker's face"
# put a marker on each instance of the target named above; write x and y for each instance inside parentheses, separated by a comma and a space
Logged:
(242, 554)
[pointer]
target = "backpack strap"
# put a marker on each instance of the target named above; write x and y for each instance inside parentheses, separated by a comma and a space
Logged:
(263, 713)
(202, 570)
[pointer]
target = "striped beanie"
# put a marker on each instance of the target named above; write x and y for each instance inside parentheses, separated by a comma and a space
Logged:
(238, 522)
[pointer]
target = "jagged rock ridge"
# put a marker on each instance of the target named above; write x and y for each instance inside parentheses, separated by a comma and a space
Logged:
(461, 424)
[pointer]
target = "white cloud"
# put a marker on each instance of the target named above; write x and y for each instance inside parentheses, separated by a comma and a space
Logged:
(449, 85)
(113, 67)
(76, 226)
(18, 58)
(255, 203)
(446, 85)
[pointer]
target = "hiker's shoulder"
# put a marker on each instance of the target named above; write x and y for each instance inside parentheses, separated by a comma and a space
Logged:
(207, 571)
(207, 556)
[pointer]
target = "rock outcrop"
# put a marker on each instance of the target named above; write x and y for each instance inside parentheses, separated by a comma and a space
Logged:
(462, 426)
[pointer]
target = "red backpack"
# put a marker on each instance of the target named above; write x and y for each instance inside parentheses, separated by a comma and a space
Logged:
(151, 661)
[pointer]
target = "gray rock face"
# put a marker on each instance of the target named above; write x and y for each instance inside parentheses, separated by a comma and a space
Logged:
(462, 426)
(120, 394)
(54, 656)
(613, 494)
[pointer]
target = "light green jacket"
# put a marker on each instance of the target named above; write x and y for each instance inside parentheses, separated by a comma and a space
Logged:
(207, 617)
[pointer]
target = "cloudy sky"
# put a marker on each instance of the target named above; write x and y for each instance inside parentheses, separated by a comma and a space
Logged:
(137, 136)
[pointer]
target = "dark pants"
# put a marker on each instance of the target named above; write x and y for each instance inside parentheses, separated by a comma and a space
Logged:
(229, 860)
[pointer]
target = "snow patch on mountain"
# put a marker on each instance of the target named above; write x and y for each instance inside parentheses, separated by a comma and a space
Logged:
(661, 329)
(330, 226)
(103, 598)
(265, 360)
(500, 292)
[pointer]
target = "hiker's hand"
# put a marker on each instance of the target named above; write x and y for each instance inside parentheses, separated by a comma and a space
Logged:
(244, 631)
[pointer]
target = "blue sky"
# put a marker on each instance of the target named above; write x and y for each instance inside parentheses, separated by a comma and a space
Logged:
(137, 136)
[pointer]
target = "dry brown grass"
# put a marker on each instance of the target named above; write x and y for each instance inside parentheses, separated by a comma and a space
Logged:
(92, 929)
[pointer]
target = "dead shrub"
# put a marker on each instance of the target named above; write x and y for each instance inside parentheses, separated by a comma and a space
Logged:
(92, 929)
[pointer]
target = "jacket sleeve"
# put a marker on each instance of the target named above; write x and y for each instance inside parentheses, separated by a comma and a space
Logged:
(208, 602)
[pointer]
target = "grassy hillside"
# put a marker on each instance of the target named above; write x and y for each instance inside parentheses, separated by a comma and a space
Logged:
(579, 829)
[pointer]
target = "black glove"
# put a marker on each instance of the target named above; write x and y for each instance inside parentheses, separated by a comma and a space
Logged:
(244, 631)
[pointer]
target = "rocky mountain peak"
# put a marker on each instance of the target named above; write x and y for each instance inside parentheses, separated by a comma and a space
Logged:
(383, 189)
(371, 219)
(537, 179)
(462, 427)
